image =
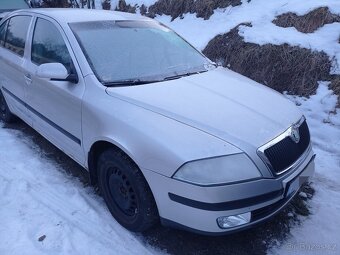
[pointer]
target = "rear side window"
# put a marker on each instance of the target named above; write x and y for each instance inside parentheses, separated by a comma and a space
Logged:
(17, 33)
(3, 33)
(48, 45)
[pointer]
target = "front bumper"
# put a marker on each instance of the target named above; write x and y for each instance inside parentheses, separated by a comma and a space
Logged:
(197, 208)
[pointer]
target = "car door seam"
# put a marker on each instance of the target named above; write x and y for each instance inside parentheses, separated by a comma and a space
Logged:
(41, 116)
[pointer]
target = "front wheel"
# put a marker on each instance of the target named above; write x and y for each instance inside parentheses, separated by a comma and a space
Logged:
(125, 191)
(5, 114)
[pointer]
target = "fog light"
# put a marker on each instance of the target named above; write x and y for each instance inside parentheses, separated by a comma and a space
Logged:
(233, 221)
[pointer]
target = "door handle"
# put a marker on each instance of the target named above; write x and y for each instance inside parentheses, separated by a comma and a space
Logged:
(28, 79)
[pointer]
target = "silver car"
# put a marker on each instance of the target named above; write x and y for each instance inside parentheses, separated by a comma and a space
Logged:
(165, 133)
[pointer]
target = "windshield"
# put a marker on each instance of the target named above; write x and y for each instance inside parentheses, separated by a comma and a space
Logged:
(13, 4)
(136, 51)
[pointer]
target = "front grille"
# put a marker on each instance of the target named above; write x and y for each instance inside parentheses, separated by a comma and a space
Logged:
(284, 153)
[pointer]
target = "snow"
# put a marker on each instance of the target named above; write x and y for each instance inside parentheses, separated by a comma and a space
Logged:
(320, 231)
(303, 195)
(98, 4)
(140, 2)
(261, 13)
(39, 199)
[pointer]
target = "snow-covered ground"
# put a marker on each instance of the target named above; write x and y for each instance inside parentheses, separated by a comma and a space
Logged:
(320, 232)
(37, 200)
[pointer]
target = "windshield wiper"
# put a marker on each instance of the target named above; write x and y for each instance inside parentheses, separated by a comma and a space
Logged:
(128, 82)
(177, 76)
(133, 82)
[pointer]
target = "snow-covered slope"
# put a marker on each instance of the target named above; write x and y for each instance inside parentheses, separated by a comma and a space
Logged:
(261, 13)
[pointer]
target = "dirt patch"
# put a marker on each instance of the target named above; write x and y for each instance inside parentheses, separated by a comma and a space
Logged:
(177, 8)
(307, 23)
(281, 67)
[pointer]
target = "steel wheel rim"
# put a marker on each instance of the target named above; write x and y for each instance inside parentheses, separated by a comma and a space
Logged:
(122, 192)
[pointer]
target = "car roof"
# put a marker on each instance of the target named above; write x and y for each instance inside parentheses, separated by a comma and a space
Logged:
(70, 15)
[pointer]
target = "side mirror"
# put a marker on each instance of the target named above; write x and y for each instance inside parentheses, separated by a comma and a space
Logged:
(56, 72)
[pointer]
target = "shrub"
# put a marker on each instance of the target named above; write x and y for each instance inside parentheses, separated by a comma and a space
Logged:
(307, 23)
(281, 67)
(106, 5)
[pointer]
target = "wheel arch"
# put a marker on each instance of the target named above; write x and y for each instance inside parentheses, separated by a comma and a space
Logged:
(94, 153)
(99, 147)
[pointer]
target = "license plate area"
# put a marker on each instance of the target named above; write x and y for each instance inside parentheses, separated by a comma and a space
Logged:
(292, 187)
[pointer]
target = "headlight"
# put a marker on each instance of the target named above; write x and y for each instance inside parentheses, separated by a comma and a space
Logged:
(219, 170)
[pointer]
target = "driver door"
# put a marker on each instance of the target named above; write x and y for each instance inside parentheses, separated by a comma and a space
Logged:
(56, 105)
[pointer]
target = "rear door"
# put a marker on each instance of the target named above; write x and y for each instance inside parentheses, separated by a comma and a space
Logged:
(56, 105)
(13, 82)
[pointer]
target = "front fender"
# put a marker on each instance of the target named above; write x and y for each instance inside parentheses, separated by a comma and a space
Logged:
(153, 141)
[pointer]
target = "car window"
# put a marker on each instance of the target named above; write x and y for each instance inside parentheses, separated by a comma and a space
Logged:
(16, 34)
(136, 50)
(48, 45)
(3, 33)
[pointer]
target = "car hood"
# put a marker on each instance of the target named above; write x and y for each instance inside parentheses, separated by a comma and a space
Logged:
(220, 102)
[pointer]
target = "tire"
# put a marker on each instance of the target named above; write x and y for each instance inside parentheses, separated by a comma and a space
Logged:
(126, 191)
(5, 114)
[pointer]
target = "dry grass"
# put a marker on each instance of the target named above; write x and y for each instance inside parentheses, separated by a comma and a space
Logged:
(176, 8)
(307, 23)
(106, 5)
(55, 4)
(202, 8)
(123, 7)
(281, 67)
